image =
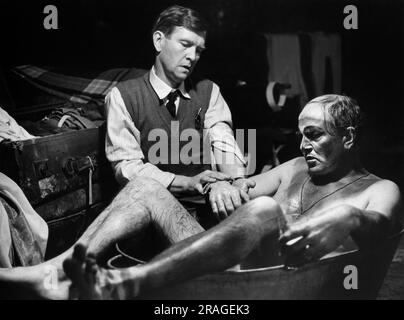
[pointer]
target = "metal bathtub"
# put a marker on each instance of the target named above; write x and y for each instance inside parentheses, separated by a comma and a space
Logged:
(323, 279)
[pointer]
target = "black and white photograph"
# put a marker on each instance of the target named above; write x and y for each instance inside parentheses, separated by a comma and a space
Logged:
(218, 151)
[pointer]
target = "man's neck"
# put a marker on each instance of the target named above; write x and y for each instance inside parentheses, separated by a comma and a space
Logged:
(346, 169)
(159, 70)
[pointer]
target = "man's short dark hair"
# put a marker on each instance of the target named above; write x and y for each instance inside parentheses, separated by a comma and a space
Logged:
(344, 112)
(178, 16)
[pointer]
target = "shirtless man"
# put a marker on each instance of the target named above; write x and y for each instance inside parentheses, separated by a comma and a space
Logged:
(326, 197)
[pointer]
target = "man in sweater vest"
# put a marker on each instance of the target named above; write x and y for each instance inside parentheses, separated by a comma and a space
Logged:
(150, 120)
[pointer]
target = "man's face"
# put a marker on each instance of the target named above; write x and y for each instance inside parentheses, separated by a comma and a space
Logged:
(178, 54)
(321, 149)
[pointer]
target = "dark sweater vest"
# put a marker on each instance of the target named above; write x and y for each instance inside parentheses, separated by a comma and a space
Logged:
(163, 146)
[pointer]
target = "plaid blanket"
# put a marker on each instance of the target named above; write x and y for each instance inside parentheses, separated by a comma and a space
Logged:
(80, 88)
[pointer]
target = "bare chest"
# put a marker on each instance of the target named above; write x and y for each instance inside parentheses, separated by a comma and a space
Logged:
(300, 197)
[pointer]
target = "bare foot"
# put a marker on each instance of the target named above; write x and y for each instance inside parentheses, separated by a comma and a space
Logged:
(89, 281)
(82, 271)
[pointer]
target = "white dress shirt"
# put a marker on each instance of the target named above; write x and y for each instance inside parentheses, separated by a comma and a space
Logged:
(122, 144)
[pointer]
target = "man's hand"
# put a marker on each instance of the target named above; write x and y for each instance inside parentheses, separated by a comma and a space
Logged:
(244, 184)
(313, 237)
(195, 184)
(225, 198)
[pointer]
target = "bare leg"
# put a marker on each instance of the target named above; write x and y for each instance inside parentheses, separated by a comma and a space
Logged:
(140, 203)
(214, 250)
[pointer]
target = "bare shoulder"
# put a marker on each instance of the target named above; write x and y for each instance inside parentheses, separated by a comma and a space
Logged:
(382, 187)
(298, 163)
(383, 196)
(291, 167)
(287, 169)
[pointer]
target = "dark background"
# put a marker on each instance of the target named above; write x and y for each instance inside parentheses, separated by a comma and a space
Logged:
(107, 34)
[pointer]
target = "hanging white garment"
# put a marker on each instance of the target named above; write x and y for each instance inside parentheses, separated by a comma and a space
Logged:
(284, 56)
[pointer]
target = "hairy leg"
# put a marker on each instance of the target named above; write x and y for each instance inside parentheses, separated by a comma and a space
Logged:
(214, 250)
(140, 203)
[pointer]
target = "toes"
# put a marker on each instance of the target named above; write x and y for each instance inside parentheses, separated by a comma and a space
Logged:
(76, 268)
(82, 270)
(91, 270)
(79, 252)
(73, 269)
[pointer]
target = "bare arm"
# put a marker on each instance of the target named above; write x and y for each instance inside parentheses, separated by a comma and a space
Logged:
(267, 183)
(247, 188)
(382, 216)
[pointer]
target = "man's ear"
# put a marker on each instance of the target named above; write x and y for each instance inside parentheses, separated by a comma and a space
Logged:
(158, 38)
(349, 138)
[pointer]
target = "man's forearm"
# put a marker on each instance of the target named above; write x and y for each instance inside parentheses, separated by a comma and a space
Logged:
(233, 170)
(227, 156)
(181, 184)
(370, 227)
(228, 163)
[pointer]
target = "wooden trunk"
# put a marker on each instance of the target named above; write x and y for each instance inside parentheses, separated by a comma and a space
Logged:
(54, 173)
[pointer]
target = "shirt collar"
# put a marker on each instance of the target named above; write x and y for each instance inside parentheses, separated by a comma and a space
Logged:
(162, 89)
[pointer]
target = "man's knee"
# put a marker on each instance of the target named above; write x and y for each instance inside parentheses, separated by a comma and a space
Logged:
(265, 209)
